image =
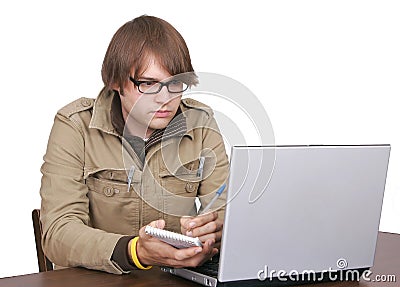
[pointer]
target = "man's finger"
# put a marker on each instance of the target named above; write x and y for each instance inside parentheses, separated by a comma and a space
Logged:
(184, 223)
(201, 220)
(215, 236)
(210, 227)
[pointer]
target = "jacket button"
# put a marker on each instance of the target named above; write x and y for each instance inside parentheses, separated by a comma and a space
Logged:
(108, 191)
(85, 102)
(189, 187)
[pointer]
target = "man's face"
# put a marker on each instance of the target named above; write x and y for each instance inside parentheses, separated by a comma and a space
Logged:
(144, 113)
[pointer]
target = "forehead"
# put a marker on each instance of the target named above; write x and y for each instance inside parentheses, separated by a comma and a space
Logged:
(153, 70)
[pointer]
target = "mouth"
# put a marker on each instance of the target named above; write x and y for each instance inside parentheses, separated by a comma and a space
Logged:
(162, 113)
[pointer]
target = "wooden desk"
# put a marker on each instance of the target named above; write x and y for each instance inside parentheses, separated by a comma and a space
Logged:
(387, 262)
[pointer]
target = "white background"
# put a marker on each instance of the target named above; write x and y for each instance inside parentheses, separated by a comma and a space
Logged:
(327, 72)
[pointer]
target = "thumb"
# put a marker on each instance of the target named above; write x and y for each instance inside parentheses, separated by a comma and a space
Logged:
(156, 223)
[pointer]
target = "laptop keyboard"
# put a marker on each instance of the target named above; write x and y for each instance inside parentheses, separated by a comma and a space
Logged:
(209, 268)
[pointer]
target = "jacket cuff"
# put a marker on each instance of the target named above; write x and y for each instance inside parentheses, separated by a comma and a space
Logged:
(120, 254)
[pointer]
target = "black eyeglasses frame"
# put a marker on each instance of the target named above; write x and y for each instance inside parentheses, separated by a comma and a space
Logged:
(161, 85)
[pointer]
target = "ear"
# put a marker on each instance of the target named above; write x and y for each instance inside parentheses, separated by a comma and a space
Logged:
(116, 88)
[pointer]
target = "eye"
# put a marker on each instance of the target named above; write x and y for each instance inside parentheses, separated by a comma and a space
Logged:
(175, 83)
(149, 83)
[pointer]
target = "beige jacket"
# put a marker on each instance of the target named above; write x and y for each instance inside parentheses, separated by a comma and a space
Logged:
(86, 204)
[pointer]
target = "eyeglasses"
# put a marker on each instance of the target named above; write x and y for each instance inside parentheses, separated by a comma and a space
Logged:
(154, 87)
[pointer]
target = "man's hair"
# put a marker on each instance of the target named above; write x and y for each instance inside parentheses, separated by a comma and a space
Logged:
(136, 42)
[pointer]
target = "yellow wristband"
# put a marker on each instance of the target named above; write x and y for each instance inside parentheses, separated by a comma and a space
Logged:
(134, 255)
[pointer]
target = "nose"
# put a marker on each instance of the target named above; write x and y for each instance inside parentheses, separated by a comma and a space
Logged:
(163, 95)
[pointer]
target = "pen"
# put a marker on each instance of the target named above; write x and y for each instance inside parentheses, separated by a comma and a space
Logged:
(217, 194)
(130, 176)
(201, 167)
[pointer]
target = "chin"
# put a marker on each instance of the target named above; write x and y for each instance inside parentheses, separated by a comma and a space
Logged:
(158, 124)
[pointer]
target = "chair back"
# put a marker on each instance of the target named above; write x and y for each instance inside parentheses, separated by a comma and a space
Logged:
(44, 263)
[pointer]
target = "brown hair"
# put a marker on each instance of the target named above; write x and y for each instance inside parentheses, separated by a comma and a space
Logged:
(139, 39)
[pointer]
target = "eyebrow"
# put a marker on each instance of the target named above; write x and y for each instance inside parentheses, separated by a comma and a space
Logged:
(148, 79)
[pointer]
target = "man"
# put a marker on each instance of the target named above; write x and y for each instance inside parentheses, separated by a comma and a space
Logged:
(137, 155)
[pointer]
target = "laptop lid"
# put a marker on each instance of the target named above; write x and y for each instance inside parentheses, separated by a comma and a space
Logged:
(300, 208)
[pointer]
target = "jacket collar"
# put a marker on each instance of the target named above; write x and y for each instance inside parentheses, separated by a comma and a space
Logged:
(101, 117)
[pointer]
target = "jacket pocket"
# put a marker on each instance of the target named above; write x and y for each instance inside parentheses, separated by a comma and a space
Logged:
(179, 192)
(112, 207)
(183, 181)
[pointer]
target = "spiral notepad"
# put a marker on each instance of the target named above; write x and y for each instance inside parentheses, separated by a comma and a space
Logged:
(172, 238)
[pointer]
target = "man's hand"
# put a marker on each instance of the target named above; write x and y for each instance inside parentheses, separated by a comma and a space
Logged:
(207, 226)
(151, 251)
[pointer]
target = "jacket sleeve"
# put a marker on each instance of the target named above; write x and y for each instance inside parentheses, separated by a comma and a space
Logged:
(216, 167)
(68, 240)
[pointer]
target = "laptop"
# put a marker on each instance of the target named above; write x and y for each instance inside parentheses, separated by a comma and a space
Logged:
(298, 214)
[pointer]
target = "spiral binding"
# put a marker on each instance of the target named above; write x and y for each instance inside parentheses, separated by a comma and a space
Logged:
(172, 238)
